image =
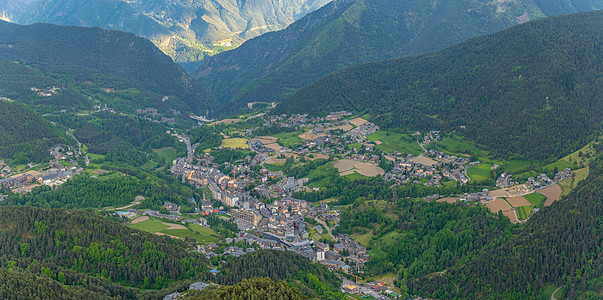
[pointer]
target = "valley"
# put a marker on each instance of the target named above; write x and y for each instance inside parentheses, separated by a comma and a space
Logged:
(471, 172)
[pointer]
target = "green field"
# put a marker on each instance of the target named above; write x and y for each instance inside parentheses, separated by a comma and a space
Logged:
(456, 145)
(354, 146)
(561, 165)
(524, 212)
(274, 167)
(570, 183)
(395, 141)
(536, 199)
(235, 143)
(288, 139)
(322, 175)
(355, 176)
(193, 231)
(363, 236)
(516, 166)
(151, 225)
(169, 154)
(479, 173)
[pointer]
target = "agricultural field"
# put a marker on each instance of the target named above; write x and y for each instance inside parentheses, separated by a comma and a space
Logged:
(479, 173)
(552, 194)
(355, 176)
(524, 212)
(519, 201)
(349, 167)
(536, 199)
(395, 141)
(517, 166)
(159, 227)
(570, 183)
(235, 143)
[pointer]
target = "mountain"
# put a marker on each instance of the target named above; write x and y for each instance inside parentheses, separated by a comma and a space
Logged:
(108, 62)
(25, 136)
(186, 30)
(559, 247)
(346, 32)
(85, 250)
(533, 90)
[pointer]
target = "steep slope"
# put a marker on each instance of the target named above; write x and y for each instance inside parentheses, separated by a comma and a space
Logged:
(25, 136)
(560, 247)
(533, 90)
(185, 30)
(82, 249)
(347, 32)
(94, 55)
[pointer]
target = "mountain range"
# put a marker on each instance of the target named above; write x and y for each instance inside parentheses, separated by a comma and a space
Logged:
(186, 30)
(533, 89)
(105, 61)
(346, 32)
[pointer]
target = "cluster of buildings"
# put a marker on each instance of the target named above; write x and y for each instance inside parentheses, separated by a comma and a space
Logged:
(46, 92)
(433, 166)
(151, 114)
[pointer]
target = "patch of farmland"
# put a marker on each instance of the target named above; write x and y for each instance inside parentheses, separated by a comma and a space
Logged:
(552, 193)
(518, 201)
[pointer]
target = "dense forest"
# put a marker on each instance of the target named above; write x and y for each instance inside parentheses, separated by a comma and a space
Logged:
(256, 288)
(83, 192)
(83, 249)
(561, 246)
(515, 91)
(347, 32)
(415, 238)
(18, 284)
(74, 254)
(77, 55)
(25, 136)
(313, 280)
(207, 137)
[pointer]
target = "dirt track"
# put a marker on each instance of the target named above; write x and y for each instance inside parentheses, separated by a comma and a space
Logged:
(174, 226)
(140, 219)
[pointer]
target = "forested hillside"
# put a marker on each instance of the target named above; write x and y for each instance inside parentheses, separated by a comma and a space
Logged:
(24, 285)
(25, 136)
(312, 280)
(530, 91)
(109, 60)
(188, 31)
(82, 249)
(561, 246)
(346, 32)
(257, 288)
(417, 238)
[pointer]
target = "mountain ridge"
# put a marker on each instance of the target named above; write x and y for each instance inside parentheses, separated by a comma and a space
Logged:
(69, 52)
(542, 94)
(273, 66)
(188, 31)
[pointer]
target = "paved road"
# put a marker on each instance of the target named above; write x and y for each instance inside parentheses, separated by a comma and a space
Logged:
(189, 148)
(324, 224)
(79, 145)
